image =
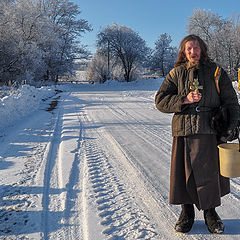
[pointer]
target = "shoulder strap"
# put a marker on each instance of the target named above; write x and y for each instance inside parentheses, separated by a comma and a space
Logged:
(216, 78)
(172, 73)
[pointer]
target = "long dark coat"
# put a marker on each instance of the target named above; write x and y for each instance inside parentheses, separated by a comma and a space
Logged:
(195, 176)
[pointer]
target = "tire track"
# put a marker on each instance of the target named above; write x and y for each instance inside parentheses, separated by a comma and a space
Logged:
(66, 176)
(51, 156)
(148, 135)
(119, 215)
(146, 138)
(54, 201)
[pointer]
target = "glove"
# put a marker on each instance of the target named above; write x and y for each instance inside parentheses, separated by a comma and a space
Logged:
(230, 135)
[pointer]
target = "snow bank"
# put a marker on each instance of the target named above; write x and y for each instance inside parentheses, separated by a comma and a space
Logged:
(21, 103)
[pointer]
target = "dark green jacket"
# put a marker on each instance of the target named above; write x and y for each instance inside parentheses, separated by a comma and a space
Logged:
(188, 120)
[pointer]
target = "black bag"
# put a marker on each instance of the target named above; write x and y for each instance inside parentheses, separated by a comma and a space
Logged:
(221, 116)
(220, 123)
(220, 120)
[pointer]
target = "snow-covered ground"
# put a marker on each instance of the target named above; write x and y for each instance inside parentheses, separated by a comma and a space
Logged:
(91, 162)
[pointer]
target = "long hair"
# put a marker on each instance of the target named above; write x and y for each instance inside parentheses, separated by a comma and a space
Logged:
(204, 50)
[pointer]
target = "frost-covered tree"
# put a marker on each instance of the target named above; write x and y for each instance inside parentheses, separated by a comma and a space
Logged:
(221, 35)
(39, 39)
(164, 55)
(125, 45)
(21, 28)
(206, 25)
(236, 43)
(68, 27)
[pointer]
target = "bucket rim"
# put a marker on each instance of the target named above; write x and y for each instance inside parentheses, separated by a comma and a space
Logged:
(227, 146)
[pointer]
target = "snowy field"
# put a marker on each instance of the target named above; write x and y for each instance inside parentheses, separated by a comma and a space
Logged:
(91, 162)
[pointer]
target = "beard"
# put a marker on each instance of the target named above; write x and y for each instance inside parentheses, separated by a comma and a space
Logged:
(194, 64)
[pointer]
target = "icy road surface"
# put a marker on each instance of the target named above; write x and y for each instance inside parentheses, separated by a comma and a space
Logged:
(95, 168)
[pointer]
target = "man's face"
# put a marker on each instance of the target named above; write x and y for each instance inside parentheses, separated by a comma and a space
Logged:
(192, 51)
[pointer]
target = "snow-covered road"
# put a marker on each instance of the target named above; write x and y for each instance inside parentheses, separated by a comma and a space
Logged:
(96, 168)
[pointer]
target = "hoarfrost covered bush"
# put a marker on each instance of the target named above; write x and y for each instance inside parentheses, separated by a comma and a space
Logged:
(97, 69)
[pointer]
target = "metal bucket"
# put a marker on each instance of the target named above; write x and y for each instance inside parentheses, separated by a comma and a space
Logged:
(229, 160)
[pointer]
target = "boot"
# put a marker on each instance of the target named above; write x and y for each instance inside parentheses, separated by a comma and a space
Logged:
(186, 218)
(213, 221)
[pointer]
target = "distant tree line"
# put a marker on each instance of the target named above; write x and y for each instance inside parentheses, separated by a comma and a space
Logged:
(39, 39)
(123, 55)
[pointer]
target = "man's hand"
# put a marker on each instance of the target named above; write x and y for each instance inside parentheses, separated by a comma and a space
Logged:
(230, 135)
(192, 97)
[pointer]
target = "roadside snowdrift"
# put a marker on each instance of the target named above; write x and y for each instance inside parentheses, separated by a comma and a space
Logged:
(21, 102)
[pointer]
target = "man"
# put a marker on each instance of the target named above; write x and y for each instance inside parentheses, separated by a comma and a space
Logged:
(189, 91)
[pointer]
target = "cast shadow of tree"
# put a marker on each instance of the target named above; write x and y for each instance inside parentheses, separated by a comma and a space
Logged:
(19, 213)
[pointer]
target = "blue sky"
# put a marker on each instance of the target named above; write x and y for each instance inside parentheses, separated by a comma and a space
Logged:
(150, 18)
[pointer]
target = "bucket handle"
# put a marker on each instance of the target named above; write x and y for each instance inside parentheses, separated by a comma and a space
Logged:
(239, 142)
(239, 138)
